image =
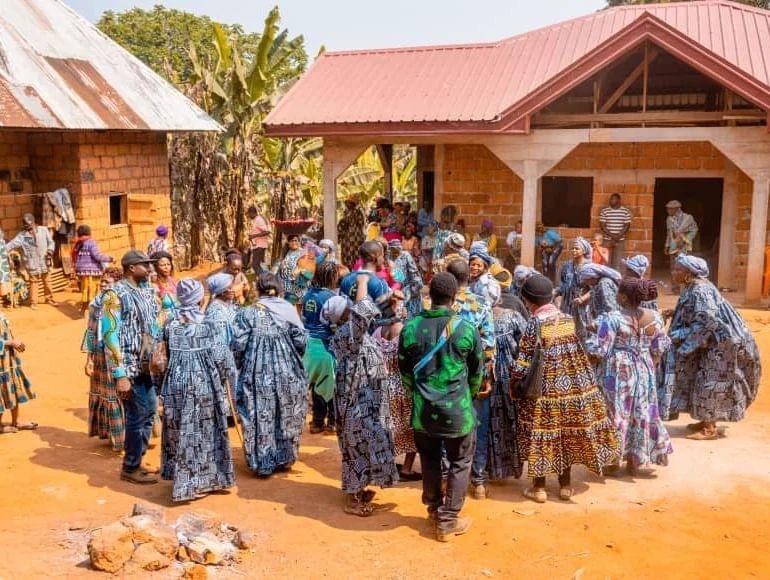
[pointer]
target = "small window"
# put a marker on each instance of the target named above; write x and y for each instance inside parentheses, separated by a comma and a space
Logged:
(118, 209)
(567, 201)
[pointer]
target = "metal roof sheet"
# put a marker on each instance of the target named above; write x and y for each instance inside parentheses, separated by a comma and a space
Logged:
(58, 71)
(479, 83)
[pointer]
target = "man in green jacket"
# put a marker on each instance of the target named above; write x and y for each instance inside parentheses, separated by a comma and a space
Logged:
(442, 364)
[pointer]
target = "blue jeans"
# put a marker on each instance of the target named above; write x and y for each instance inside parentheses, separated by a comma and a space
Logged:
(480, 455)
(140, 410)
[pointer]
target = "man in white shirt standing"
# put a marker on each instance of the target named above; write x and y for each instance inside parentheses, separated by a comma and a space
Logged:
(259, 238)
(615, 221)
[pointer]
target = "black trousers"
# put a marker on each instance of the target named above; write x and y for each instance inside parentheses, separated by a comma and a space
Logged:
(459, 453)
(322, 411)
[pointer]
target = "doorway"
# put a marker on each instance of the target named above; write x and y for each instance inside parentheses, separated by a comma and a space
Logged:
(700, 197)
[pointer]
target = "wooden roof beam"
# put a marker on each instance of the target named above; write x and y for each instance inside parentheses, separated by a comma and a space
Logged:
(650, 56)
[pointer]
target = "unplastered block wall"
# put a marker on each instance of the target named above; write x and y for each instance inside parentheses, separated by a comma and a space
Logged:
(15, 174)
(630, 169)
(94, 165)
(481, 186)
(134, 163)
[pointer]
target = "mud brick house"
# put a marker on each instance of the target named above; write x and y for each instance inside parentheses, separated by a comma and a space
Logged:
(655, 102)
(78, 111)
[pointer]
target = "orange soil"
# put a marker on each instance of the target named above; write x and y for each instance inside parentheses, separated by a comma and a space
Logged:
(707, 514)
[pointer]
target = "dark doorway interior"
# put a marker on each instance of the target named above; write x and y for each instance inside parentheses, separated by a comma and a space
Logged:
(700, 197)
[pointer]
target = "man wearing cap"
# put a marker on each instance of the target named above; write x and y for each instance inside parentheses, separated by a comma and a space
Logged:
(681, 231)
(129, 328)
(36, 245)
(615, 221)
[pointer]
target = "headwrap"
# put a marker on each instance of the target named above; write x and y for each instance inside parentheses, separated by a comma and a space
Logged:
(189, 292)
(487, 224)
(487, 288)
(479, 250)
(329, 245)
(502, 275)
(333, 309)
(637, 264)
(595, 271)
(282, 310)
(521, 274)
(697, 266)
(220, 282)
(455, 240)
(584, 245)
(537, 288)
(161, 230)
(395, 243)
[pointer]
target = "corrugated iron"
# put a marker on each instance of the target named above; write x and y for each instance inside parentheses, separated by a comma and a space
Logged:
(478, 83)
(58, 71)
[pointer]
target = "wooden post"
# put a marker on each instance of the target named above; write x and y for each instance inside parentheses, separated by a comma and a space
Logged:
(757, 238)
(529, 213)
(330, 199)
(385, 153)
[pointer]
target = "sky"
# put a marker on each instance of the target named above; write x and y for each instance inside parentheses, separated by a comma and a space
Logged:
(358, 24)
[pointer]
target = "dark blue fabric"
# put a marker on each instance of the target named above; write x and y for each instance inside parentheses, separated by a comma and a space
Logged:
(313, 301)
(140, 410)
(481, 453)
(377, 289)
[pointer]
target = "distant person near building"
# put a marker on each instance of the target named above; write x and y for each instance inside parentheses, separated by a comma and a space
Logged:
(615, 221)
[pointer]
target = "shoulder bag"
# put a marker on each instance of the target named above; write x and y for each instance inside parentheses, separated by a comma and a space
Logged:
(530, 387)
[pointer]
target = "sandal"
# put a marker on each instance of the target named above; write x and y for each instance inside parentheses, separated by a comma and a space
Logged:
(565, 493)
(695, 426)
(8, 429)
(356, 507)
(31, 426)
(706, 434)
(368, 495)
(409, 476)
(536, 494)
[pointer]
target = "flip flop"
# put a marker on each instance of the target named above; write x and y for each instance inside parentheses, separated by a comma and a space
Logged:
(8, 429)
(31, 426)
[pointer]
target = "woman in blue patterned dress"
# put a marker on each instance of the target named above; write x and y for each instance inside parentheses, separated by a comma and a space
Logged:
(269, 341)
(106, 418)
(602, 297)
(289, 271)
(712, 370)
(221, 311)
(361, 403)
(570, 287)
(504, 459)
(195, 449)
(636, 267)
(629, 344)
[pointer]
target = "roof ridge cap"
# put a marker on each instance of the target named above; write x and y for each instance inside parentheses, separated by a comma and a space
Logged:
(423, 48)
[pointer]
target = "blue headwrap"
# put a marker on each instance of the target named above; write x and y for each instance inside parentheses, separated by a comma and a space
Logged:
(189, 292)
(637, 264)
(220, 282)
(584, 245)
(697, 266)
(479, 250)
(521, 274)
(593, 271)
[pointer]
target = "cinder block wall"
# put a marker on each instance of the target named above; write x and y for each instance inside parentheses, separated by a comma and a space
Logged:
(14, 174)
(480, 185)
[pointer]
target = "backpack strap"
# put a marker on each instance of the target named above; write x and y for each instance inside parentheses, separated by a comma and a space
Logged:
(446, 334)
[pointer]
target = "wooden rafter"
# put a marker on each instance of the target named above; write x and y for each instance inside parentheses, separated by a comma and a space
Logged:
(641, 68)
(677, 117)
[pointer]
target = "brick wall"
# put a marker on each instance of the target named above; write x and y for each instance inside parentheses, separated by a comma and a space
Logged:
(481, 186)
(15, 174)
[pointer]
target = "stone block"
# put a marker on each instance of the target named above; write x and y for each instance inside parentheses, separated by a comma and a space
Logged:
(145, 529)
(110, 547)
(148, 558)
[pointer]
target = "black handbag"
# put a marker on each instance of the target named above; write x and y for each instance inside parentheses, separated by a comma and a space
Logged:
(531, 386)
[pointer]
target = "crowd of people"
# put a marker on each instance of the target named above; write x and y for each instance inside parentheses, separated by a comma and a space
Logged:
(404, 342)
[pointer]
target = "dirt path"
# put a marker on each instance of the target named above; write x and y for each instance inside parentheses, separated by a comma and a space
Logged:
(707, 514)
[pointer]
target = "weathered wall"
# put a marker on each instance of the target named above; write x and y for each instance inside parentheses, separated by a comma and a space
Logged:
(14, 174)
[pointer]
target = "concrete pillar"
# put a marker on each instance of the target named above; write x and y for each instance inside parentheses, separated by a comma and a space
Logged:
(529, 212)
(330, 200)
(757, 235)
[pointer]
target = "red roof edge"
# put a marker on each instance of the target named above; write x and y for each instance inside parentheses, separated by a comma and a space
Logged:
(646, 27)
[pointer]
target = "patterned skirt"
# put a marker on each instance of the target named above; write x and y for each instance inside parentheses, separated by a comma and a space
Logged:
(89, 289)
(106, 418)
(15, 388)
(400, 417)
(568, 424)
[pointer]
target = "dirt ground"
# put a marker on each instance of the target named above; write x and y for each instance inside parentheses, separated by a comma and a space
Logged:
(705, 515)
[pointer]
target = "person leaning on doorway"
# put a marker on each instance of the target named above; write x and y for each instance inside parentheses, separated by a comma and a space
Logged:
(681, 230)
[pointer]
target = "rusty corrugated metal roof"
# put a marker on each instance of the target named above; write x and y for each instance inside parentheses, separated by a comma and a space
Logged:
(58, 71)
(446, 88)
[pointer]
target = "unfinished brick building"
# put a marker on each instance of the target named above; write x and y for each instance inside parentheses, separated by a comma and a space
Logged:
(655, 102)
(78, 111)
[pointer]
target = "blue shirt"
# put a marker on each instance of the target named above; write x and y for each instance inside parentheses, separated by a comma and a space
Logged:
(552, 238)
(312, 303)
(377, 288)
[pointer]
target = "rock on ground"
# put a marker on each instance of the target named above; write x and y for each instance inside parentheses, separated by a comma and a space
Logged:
(195, 572)
(110, 547)
(146, 529)
(148, 558)
(145, 509)
(245, 540)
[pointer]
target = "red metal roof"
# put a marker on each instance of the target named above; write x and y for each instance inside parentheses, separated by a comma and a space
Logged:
(493, 87)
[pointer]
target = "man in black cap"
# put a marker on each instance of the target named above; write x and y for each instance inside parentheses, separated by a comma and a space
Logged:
(130, 326)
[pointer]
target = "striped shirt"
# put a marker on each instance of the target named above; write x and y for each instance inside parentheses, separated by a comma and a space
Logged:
(615, 219)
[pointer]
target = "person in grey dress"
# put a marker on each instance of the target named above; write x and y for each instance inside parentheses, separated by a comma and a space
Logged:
(36, 246)
(271, 394)
(195, 449)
